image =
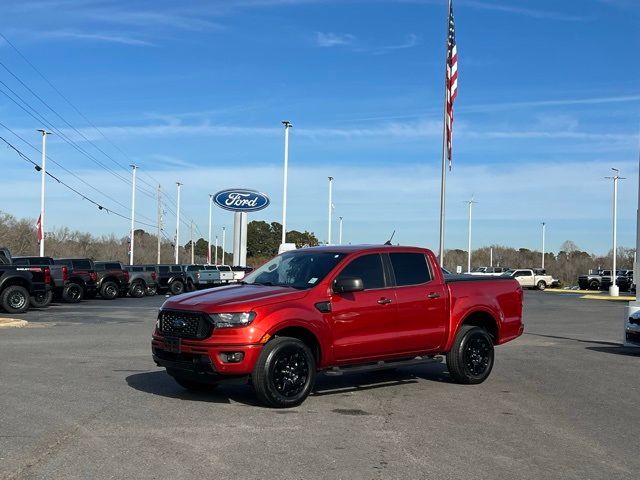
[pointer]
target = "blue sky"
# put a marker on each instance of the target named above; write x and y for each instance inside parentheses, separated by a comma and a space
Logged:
(194, 91)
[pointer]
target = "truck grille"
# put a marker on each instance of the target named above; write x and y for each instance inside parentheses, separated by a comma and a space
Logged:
(185, 324)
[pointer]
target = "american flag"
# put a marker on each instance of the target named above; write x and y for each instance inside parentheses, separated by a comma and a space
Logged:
(452, 81)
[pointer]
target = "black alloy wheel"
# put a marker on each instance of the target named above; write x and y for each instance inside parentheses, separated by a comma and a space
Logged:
(41, 300)
(72, 293)
(151, 291)
(176, 287)
(109, 291)
(15, 299)
(285, 372)
(470, 360)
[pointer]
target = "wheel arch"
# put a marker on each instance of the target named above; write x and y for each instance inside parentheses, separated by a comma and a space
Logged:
(484, 319)
(21, 282)
(303, 334)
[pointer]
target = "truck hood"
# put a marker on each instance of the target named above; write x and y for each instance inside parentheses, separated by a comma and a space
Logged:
(232, 298)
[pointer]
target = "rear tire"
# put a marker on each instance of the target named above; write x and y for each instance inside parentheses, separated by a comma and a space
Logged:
(542, 285)
(285, 373)
(72, 293)
(109, 291)
(470, 360)
(176, 287)
(137, 290)
(15, 299)
(41, 300)
(594, 285)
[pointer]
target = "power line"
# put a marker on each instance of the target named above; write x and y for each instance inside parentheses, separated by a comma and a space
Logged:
(72, 106)
(77, 192)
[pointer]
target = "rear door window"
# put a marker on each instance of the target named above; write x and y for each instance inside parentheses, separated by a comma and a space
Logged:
(368, 268)
(176, 268)
(113, 266)
(81, 264)
(410, 268)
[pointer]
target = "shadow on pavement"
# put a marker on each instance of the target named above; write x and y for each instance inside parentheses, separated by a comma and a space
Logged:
(557, 337)
(160, 383)
(618, 350)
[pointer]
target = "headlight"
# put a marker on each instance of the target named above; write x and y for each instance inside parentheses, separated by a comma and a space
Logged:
(225, 320)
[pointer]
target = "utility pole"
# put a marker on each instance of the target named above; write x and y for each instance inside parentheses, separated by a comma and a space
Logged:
(330, 209)
(43, 171)
(470, 202)
(133, 211)
(491, 256)
(178, 223)
(209, 237)
(614, 291)
(544, 230)
(215, 262)
(287, 125)
(159, 220)
(192, 246)
(340, 233)
(224, 238)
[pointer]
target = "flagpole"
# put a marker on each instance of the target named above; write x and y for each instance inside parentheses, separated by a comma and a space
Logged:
(443, 180)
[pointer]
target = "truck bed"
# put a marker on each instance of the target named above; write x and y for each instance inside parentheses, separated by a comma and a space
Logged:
(452, 278)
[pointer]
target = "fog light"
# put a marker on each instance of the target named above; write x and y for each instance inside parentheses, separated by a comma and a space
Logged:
(232, 357)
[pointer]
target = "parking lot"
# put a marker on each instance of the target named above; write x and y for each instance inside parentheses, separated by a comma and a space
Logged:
(81, 398)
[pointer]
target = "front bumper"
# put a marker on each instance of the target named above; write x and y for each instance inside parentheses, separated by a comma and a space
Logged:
(196, 358)
(631, 334)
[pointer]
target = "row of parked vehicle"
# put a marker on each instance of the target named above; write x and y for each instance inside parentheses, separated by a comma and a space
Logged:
(37, 281)
(601, 280)
(527, 277)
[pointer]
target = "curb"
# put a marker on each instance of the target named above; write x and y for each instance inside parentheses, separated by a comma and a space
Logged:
(12, 323)
(608, 298)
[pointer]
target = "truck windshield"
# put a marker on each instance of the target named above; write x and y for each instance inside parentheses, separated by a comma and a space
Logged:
(295, 269)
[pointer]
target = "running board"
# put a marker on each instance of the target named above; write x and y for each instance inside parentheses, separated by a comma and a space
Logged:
(381, 365)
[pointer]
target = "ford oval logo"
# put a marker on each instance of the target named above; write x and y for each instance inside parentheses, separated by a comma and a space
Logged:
(179, 324)
(241, 200)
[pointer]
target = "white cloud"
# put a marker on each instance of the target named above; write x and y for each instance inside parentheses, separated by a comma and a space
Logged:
(95, 36)
(334, 39)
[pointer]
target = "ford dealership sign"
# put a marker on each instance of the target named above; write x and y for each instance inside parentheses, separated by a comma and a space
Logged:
(241, 200)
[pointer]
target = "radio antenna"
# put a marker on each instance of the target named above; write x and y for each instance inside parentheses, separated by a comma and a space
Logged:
(388, 242)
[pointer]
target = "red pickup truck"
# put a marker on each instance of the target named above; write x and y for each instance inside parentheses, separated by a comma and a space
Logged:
(336, 309)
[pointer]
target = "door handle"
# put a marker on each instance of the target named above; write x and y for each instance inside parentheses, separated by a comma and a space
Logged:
(384, 301)
(433, 295)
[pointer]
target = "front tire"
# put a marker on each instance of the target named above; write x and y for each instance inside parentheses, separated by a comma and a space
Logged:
(594, 285)
(151, 291)
(542, 285)
(41, 300)
(72, 293)
(15, 299)
(176, 287)
(109, 291)
(285, 373)
(470, 360)
(137, 290)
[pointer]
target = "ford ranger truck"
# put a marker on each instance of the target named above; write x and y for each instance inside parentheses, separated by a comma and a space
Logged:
(336, 309)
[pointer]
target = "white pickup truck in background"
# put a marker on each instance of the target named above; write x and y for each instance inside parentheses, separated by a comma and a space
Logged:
(492, 271)
(528, 278)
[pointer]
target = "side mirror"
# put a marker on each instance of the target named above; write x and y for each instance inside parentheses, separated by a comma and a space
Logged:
(348, 284)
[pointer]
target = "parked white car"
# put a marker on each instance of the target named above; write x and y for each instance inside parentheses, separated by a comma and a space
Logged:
(527, 278)
(493, 271)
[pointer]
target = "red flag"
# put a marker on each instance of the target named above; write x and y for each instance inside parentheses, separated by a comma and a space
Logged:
(39, 227)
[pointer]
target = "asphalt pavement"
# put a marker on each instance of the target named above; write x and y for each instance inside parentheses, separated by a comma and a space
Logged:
(80, 398)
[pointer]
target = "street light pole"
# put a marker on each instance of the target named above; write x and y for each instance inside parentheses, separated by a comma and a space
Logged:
(470, 202)
(224, 238)
(287, 125)
(44, 176)
(330, 209)
(544, 229)
(178, 224)
(159, 220)
(340, 233)
(614, 291)
(209, 238)
(215, 261)
(133, 211)
(192, 245)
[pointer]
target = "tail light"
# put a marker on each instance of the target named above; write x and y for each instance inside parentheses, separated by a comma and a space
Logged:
(93, 276)
(126, 275)
(47, 275)
(65, 273)
(153, 275)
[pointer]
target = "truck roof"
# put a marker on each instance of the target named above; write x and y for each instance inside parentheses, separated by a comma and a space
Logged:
(357, 248)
